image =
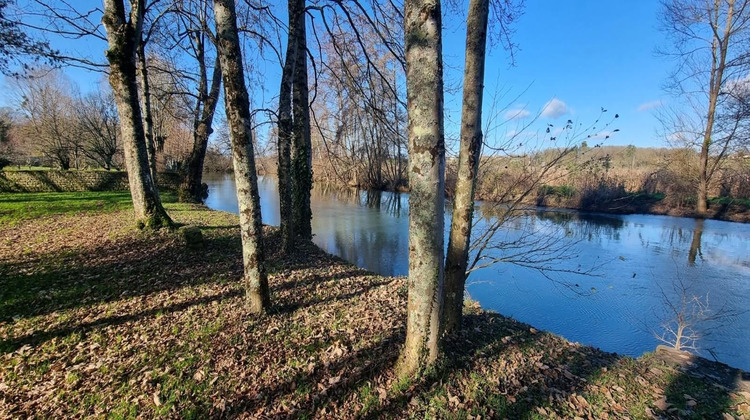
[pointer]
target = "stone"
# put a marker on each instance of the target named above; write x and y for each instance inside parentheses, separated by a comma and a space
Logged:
(192, 235)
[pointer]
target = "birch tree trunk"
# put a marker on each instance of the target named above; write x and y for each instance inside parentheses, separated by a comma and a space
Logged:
(301, 142)
(285, 136)
(424, 85)
(123, 36)
(468, 165)
(237, 107)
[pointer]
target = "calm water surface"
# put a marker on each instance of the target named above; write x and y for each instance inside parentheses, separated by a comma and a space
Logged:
(636, 262)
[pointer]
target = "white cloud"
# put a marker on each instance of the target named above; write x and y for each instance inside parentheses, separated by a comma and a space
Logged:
(555, 108)
(516, 114)
(650, 105)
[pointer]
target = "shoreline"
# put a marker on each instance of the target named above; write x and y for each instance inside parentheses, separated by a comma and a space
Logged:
(100, 319)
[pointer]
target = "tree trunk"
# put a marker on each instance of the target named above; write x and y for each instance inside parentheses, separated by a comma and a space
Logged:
(202, 130)
(123, 36)
(716, 80)
(301, 142)
(468, 165)
(240, 129)
(285, 136)
(148, 120)
(424, 84)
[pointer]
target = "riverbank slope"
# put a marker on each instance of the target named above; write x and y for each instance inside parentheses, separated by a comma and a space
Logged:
(98, 319)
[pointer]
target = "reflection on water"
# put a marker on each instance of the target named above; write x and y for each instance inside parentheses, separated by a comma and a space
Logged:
(637, 256)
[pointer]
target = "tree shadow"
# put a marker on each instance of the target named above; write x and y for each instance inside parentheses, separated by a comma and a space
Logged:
(299, 301)
(38, 337)
(135, 266)
(699, 388)
(518, 392)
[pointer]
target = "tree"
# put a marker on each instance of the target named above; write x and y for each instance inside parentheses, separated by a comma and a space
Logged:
(123, 37)
(237, 107)
(301, 164)
(284, 138)
(459, 240)
(48, 106)
(468, 165)
(709, 42)
(630, 154)
(98, 124)
(201, 74)
(424, 84)
(16, 44)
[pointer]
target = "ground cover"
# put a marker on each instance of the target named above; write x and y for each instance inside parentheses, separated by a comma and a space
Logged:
(98, 319)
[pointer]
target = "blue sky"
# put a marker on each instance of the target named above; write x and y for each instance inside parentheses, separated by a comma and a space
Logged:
(580, 54)
(587, 54)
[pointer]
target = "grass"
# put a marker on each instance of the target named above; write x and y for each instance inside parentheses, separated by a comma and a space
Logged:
(112, 322)
(16, 207)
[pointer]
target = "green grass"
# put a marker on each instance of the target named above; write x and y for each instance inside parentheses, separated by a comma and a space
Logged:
(15, 207)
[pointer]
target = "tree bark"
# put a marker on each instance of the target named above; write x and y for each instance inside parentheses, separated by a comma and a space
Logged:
(468, 165)
(123, 36)
(237, 107)
(301, 142)
(201, 132)
(285, 135)
(719, 47)
(424, 84)
(148, 119)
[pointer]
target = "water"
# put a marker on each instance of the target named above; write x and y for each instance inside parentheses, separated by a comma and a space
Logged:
(605, 280)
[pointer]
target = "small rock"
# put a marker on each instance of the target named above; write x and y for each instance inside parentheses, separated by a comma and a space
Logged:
(691, 403)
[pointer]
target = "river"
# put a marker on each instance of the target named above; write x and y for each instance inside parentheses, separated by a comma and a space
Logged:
(609, 281)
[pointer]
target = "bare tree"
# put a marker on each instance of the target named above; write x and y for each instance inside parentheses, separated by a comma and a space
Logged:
(688, 318)
(98, 125)
(709, 42)
(48, 106)
(237, 107)
(124, 35)
(424, 79)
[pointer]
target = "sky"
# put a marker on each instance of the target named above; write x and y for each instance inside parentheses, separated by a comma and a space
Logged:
(578, 56)
(573, 58)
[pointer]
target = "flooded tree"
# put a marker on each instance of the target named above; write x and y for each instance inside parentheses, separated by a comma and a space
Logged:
(123, 36)
(236, 102)
(424, 85)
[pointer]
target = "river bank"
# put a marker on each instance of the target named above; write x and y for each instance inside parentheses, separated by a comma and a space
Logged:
(609, 200)
(98, 319)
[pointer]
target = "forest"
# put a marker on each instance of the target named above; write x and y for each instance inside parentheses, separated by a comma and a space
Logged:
(148, 303)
